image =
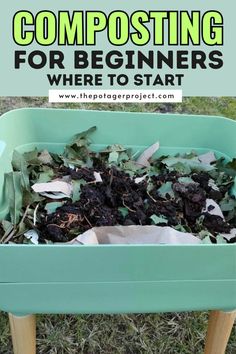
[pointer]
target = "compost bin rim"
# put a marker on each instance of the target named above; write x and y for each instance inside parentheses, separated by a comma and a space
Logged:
(116, 245)
(166, 115)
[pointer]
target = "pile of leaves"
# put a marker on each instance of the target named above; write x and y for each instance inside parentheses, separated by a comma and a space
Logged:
(55, 197)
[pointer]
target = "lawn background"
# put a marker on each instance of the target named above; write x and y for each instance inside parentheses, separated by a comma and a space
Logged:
(170, 333)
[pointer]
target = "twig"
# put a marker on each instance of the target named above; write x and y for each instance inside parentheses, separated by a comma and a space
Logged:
(35, 214)
(88, 221)
(25, 213)
(111, 179)
(151, 197)
(133, 211)
(9, 236)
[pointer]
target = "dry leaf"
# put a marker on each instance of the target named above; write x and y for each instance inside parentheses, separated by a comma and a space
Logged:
(45, 157)
(207, 158)
(55, 189)
(97, 177)
(147, 154)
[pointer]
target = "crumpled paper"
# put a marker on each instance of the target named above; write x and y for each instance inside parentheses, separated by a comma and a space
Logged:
(134, 235)
(143, 159)
(232, 234)
(56, 189)
(210, 203)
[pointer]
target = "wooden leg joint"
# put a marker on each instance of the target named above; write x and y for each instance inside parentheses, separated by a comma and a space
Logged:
(219, 328)
(23, 331)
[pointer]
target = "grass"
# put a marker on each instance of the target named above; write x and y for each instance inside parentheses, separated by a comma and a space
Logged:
(225, 106)
(171, 333)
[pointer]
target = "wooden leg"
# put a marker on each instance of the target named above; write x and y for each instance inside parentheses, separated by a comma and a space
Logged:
(23, 331)
(219, 328)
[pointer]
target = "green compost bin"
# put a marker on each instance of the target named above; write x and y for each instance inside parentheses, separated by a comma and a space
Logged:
(115, 278)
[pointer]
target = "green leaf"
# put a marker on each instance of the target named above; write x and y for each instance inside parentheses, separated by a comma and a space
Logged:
(204, 234)
(220, 239)
(31, 158)
(21, 229)
(46, 175)
(56, 158)
(45, 157)
(19, 164)
(228, 168)
(70, 153)
(193, 164)
(7, 226)
(30, 198)
(52, 207)
(228, 207)
(190, 155)
(114, 147)
(83, 135)
(14, 195)
(124, 211)
(232, 164)
(207, 240)
(199, 223)
(123, 156)
(180, 228)
(150, 185)
(130, 167)
(180, 168)
(158, 219)
(76, 185)
(77, 153)
(73, 162)
(227, 204)
(116, 154)
(165, 189)
(186, 180)
(113, 157)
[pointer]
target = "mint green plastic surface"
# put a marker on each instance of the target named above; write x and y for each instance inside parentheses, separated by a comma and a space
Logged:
(115, 278)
